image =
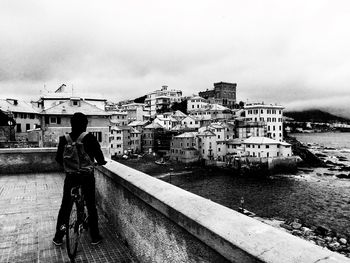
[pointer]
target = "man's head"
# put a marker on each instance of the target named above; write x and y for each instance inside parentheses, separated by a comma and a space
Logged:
(79, 122)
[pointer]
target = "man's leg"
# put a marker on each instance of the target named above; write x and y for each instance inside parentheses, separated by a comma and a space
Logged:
(89, 194)
(64, 211)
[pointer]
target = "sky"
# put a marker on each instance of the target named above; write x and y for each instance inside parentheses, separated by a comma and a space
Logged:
(295, 53)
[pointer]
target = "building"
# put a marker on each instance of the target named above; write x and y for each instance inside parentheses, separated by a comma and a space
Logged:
(190, 122)
(124, 140)
(161, 100)
(224, 93)
(207, 144)
(118, 117)
(26, 116)
(184, 148)
(196, 103)
(213, 140)
(270, 114)
(212, 113)
(167, 122)
(62, 94)
(135, 111)
(148, 137)
(116, 141)
(55, 122)
(266, 147)
(246, 128)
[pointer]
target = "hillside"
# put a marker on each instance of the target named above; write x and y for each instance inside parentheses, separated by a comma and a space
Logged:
(314, 116)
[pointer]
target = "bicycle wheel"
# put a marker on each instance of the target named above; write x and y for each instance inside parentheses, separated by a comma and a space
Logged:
(72, 231)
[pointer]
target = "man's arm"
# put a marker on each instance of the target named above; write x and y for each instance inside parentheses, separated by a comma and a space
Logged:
(96, 148)
(59, 153)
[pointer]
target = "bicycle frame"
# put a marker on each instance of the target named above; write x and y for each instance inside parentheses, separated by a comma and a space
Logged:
(76, 222)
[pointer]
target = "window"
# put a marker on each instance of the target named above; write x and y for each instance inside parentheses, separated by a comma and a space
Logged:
(27, 126)
(18, 127)
(262, 111)
(58, 120)
(267, 146)
(75, 102)
(219, 149)
(53, 120)
(98, 136)
(31, 116)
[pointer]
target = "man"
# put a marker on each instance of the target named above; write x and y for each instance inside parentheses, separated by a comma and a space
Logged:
(92, 148)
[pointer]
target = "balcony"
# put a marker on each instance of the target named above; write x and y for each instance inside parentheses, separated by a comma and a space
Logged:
(142, 219)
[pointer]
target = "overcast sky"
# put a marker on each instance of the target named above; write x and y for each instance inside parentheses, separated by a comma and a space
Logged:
(296, 53)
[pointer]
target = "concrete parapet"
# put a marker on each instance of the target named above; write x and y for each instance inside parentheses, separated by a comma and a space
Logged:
(163, 223)
(28, 160)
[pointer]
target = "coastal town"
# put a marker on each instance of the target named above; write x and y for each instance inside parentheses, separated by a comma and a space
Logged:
(211, 126)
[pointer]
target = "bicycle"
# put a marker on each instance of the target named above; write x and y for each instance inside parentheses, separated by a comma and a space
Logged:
(76, 223)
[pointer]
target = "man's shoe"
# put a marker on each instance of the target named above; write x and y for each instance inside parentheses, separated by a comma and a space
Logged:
(57, 241)
(96, 241)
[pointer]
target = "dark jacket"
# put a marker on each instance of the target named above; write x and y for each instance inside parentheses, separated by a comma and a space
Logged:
(91, 147)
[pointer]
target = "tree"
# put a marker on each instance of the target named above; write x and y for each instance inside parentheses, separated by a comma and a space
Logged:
(181, 106)
(140, 99)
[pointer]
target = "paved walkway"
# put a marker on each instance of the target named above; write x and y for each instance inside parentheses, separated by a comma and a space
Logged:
(28, 211)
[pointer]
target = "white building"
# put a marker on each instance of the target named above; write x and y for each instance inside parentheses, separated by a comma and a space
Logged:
(266, 147)
(213, 141)
(270, 114)
(64, 94)
(167, 122)
(161, 99)
(190, 122)
(196, 103)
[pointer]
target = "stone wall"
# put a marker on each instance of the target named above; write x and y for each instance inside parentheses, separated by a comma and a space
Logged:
(163, 223)
(283, 164)
(28, 160)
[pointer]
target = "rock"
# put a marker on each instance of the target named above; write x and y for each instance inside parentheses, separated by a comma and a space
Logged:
(328, 239)
(345, 168)
(322, 230)
(343, 241)
(342, 176)
(296, 232)
(285, 226)
(306, 231)
(320, 155)
(320, 243)
(327, 174)
(335, 246)
(296, 225)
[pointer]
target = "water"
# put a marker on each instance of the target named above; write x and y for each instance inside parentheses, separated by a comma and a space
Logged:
(314, 198)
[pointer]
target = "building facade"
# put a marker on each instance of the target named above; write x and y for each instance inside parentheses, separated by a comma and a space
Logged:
(271, 115)
(184, 148)
(161, 100)
(266, 147)
(224, 93)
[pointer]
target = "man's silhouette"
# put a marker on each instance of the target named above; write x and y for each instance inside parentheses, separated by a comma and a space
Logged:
(92, 147)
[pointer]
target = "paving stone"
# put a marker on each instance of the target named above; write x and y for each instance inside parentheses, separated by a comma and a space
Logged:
(29, 205)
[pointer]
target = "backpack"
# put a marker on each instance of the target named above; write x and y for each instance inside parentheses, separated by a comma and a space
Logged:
(75, 159)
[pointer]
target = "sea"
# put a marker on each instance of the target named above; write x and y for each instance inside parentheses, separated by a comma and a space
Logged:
(316, 197)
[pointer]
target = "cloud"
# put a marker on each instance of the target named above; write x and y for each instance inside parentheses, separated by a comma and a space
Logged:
(275, 51)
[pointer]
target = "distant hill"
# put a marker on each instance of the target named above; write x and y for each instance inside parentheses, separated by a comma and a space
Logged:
(314, 116)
